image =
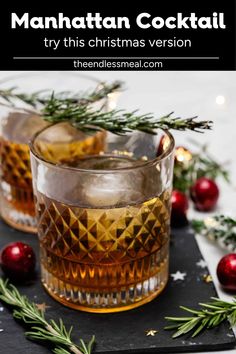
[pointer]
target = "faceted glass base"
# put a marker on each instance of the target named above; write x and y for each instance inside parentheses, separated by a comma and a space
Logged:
(17, 207)
(20, 222)
(106, 300)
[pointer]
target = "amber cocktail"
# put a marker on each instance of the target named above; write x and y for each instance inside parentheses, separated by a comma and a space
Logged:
(103, 224)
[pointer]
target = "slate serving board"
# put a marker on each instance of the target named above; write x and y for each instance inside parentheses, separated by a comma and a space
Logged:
(124, 333)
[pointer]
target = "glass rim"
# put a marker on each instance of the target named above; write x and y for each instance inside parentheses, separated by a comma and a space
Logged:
(143, 164)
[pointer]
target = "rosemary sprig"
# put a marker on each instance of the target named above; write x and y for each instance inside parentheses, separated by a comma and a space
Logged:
(41, 329)
(115, 121)
(201, 165)
(76, 109)
(43, 97)
(211, 314)
(219, 228)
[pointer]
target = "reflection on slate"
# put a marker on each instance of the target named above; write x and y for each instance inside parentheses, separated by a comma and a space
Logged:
(126, 332)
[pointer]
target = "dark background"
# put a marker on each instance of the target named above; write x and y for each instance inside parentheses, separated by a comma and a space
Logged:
(205, 42)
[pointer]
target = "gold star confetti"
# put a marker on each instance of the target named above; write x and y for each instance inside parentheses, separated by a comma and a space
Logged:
(42, 307)
(207, 278)
(151, 332)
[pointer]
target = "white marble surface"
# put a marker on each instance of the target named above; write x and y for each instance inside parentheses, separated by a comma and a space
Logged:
(190, 93)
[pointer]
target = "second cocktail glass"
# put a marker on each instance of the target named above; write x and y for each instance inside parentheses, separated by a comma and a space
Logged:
(18, 125)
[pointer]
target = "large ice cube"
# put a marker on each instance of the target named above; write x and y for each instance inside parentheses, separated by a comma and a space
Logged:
(20, 127)
(112, 188)
(93, 186)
